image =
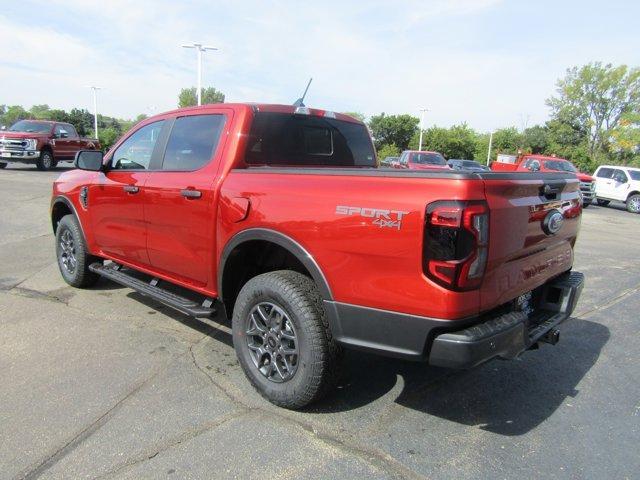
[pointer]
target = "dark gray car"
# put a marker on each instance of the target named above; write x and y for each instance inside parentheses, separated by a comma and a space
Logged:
(468, 165)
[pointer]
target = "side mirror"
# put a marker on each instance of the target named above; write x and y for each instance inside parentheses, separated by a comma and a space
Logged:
(64, 134)
(535, 167)
(89, 160)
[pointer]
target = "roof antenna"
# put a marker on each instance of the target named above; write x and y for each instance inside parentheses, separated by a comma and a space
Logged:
(300, 101)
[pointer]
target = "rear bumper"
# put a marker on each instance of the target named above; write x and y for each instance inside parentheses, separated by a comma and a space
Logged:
(461, 343)
(510, 334)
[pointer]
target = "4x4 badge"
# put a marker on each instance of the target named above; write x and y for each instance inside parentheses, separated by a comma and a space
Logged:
(381, 218)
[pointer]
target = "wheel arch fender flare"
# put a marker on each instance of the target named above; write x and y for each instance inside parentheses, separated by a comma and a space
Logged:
(62, 200)
(265, 234)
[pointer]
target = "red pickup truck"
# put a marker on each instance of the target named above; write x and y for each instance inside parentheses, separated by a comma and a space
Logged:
(544, 163)
(278, 217)
(42, 142)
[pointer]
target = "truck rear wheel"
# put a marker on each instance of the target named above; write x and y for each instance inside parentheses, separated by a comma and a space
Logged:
(282, 339)
(633, 203)
(72, 254)
(45, 162)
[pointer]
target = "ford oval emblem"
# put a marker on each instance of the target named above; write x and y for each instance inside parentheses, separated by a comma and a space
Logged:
(552, 223)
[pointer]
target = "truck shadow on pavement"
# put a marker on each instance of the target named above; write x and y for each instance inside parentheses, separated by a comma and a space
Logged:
(504, 397)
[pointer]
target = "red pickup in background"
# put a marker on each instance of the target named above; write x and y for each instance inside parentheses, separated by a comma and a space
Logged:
(545, 163)
(42, 142)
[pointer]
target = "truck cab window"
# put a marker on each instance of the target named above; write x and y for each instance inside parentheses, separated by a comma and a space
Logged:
(71, 130)
(307, 140)
(61, 132)
(192, 142)
(135, 152)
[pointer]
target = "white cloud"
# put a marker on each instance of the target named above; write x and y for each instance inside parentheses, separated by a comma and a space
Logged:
(365, 56)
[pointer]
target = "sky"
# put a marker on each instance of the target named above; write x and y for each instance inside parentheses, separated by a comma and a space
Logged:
(489, 63)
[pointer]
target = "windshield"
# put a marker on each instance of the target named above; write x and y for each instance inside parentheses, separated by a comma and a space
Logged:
(635, 174)
(30, 126)
(428, 158)
(560, 165)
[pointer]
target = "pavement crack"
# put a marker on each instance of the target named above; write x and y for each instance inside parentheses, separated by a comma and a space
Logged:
(373, 456)
(83, 435)
(175, 441)
(30, 293)
(614, 300)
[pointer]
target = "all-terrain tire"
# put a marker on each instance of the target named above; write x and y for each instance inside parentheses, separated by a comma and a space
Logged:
(45, 161)
(633, 203)
(318, 357)
(72, 254)
(603, 203)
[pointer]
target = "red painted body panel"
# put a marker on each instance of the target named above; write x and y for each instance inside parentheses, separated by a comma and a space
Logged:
(164, 234)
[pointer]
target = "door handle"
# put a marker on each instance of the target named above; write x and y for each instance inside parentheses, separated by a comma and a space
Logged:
(131, 189)
(189, 193)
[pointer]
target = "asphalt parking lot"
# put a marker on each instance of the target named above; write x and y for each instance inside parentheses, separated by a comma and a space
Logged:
(104, 383)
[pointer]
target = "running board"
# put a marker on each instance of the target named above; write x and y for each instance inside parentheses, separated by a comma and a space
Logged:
(182, 304)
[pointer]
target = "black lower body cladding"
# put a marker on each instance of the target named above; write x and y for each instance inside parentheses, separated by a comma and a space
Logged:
(455, 344)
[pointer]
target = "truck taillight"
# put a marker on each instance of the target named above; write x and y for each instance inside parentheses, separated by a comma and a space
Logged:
(456, 242)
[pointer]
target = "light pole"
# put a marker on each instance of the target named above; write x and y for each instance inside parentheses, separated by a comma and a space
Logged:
(422, 110)
(489, 150)
(95, 107)
(199, 49)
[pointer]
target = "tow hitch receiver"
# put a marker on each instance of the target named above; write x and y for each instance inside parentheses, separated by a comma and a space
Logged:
(552, 336)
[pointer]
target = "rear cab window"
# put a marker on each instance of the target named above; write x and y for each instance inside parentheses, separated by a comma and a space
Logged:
(288, 139)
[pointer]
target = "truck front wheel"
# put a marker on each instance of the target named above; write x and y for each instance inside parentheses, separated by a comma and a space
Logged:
(633, 203)
(45, 162)
(3, 165)
(282, 339)
(72, 254)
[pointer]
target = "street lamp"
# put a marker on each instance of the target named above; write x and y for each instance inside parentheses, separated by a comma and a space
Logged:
(489, 149)
(422, 110)
(199, 49)
(95, 107)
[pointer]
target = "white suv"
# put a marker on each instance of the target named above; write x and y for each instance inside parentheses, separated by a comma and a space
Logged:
(614, 182)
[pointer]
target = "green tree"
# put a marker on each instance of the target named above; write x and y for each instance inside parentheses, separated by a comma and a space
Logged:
(14, 113)
(108, 136)
(393, 130)
(188, 96)
(625, 139)
(536, 139)
(596, 97)
(40, 112)
(458, 141)
(388, 151)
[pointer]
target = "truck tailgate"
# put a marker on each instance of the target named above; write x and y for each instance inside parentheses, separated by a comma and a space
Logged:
(524, 249)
